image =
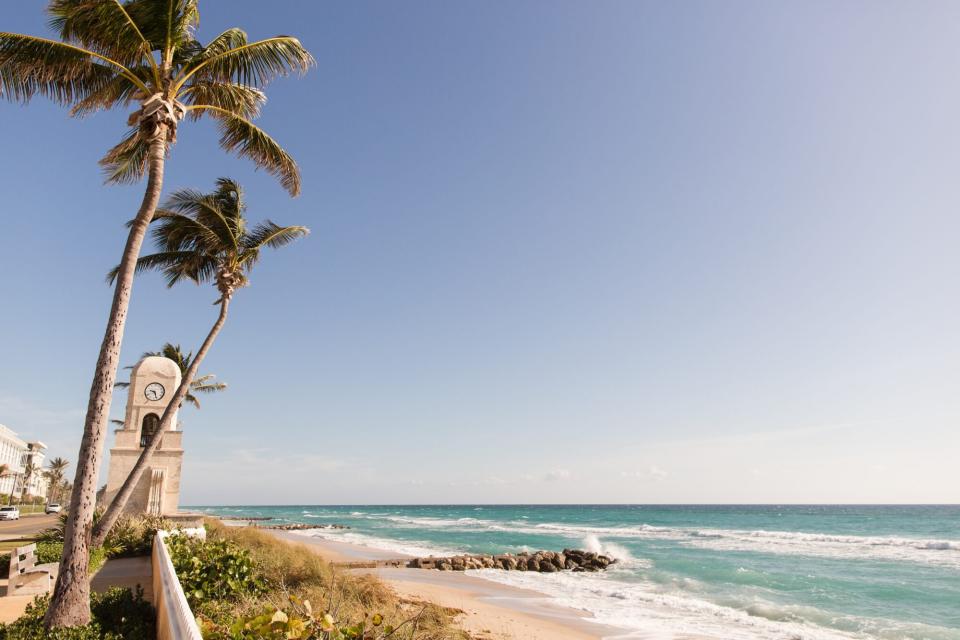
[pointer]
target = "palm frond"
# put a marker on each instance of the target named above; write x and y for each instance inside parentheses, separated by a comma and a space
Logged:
(166, 24)
(180, 232)
(192, 399)
(273, 235)
(236, 98)
(115, 91)
(118, 422)
(253, 64)
(121, 385)
(62, 72)
(159, 261)
(126, 162)
(104, 26)
(229, 39)
(247, 140)
(209, 388)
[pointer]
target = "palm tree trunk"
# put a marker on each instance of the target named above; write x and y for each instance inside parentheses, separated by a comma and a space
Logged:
(70, 605)
(126, 490)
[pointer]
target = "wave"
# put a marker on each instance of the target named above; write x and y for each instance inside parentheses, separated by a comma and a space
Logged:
(646, 610)
(945, 552)
(940, 552)
(411, 548)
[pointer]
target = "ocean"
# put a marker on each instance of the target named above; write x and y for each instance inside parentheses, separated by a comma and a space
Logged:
(729, 572)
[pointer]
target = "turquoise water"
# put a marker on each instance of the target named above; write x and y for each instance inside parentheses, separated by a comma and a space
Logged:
(764, 572)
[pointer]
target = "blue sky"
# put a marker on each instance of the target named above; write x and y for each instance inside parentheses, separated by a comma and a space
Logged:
(560, 252)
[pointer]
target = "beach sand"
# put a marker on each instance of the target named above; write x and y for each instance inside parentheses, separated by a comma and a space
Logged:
(490, 610)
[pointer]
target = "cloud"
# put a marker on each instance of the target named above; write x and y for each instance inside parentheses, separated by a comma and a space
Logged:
(556, 475)
(654, 473)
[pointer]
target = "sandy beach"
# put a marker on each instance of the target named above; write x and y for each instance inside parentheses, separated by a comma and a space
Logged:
(490, 611)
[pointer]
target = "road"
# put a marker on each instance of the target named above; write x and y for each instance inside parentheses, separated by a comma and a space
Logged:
(26, 525)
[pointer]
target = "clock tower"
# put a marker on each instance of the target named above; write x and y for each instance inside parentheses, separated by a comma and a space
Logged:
(152, 383)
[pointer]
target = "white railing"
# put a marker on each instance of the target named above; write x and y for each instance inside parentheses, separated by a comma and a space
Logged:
(175, 621)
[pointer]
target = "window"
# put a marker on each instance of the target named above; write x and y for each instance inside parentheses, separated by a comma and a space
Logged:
(151, 422)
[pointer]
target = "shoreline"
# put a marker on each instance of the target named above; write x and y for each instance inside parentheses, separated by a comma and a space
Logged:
(490, 610)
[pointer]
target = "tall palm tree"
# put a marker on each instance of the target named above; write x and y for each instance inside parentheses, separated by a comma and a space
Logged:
(113, 53)
(202, 384)
(28, 470)
(204, 238)
(56, 469)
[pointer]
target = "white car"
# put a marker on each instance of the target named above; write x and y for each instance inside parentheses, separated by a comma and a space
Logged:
(9, 513)
(53, 507)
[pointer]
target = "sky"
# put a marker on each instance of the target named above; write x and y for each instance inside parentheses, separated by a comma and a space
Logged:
(561, 252)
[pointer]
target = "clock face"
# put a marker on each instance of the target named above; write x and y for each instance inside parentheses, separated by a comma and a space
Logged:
(154, 391)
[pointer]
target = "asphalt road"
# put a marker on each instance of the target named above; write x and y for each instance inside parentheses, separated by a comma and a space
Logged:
(27, 525)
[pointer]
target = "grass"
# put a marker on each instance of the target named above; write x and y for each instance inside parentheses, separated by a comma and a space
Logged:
(290, 570)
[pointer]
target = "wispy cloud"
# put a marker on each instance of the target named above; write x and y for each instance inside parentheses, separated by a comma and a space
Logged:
(654, 473)
(556, 475)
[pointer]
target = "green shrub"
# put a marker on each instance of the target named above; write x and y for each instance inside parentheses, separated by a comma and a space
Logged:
(299, 622)
(133, 535)
(126, 614)
(212, 570)
(117, 615)
(130, 536)
(49, 552)
(359, 606)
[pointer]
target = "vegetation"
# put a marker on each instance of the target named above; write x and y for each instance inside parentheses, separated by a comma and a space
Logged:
(118, 614)
(301, 596)
(28, 471)
(115, 53)
(203, 238)
(131, 536)
(212, 569)
(55, 472)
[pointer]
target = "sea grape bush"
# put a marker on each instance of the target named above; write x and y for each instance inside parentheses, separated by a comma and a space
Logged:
(213, 569)
(298, 623)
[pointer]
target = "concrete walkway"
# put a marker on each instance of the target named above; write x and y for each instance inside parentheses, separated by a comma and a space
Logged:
(12, 607)
(126, 573)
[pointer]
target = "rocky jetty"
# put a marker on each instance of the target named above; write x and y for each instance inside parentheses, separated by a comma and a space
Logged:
(541, 561)
(301, 527)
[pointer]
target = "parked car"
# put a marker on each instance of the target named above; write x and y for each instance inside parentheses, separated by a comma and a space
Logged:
(53, 507)
(9, 513)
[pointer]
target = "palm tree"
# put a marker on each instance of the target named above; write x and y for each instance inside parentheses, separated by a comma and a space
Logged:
(204, 238)
(113, 53)
(28, 470)
(55, 472)
(202, 384)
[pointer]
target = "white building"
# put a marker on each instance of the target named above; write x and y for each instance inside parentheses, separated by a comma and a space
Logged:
(38, 483)
(15, 453)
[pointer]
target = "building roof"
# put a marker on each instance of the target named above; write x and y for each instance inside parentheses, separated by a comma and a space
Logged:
(6, 433)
